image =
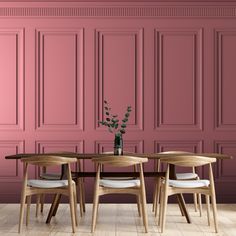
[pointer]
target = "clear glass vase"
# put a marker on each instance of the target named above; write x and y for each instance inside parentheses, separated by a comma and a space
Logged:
(118, 145)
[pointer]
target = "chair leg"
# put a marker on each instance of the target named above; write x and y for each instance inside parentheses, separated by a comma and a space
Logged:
(75, 204)
(195, 201)
(72, 208)
(42, 198)
(213, 199)
(161, 206)
(139, 205)
(22, 208)
(158, 187)
(37, 204)
(95, 209)
(200, 203)
(165, 199)
(28, 199)
(83, 194)
(155, 196)
(80, 196)
(208, 208)
(144, 211)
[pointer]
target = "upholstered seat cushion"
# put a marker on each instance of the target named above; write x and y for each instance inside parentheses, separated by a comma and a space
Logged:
(110, 183)
(50, 176)
(182, 176)
(39, 183)
(189, 183)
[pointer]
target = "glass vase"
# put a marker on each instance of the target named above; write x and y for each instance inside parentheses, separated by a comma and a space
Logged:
(118, 145)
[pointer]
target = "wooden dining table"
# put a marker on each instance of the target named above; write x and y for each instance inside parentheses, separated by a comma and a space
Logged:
(89, 156)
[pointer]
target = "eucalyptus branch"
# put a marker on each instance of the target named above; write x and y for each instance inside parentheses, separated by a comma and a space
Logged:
(112, 122)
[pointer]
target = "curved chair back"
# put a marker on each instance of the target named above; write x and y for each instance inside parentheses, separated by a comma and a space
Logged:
(42, 160)
(188, 160)
(120, 161)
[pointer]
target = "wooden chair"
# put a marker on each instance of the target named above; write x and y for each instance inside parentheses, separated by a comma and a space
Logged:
(129, 186)
(202, 186)
(45, 175)
(38, 186)
(180, 176)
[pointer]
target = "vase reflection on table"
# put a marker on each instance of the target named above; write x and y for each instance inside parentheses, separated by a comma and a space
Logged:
(115, 126)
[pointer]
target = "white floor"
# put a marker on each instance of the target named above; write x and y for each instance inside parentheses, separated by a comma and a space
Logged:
(117, 220)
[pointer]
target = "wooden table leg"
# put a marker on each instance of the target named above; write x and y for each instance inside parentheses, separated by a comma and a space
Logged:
(180, 197)
(182, 205)
(53, 209)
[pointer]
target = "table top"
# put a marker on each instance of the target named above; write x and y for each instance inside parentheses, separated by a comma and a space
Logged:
(94, 155)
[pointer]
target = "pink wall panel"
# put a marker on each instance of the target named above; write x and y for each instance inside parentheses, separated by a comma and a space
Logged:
(225, 56)
(173, 62)
(12, 70)
(118, 74)
(178, 82)
(60, 104)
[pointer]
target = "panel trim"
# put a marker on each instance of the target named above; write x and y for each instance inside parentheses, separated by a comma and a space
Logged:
(41, 144)
(99, 144)
(19, 146)
(219, 124)
(20, 80)
(99, 79)
(79, 93)
(197, 123)
(218, 148)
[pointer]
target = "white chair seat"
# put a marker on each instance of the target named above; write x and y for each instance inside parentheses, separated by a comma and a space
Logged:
(182, 176)
(39, 183)
(50, 176)
(189, 183)
(119, 183)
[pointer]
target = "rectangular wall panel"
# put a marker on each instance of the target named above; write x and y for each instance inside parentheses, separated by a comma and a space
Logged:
(225, 169)
(119, 74)
(178, 88)
(12, 79)
(225, 42)
(59, 79)
(10, 170)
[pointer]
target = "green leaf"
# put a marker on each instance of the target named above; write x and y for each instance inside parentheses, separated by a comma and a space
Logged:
(127, 114)
(122, 131)
(116, 125)
(123, 126)
(124, 120)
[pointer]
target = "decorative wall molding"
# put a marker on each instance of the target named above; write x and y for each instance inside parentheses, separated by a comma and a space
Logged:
(163, 120)
(11, 171)
(136, 39)
(225, 96)
(135, 146)
(12, 90)
(150, 10)
(47, 81)
(225, 169)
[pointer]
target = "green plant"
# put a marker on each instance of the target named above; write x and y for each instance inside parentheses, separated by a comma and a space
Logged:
(113, 123)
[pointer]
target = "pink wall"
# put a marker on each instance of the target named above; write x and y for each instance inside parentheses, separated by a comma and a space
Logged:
(174, 63)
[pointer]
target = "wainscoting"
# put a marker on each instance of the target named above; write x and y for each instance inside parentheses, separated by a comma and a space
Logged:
(173, 62)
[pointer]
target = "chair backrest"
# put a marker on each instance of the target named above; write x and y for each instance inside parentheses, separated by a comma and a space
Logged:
(119, 161)
(188, 160)
(42, 160)
(175, 152)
